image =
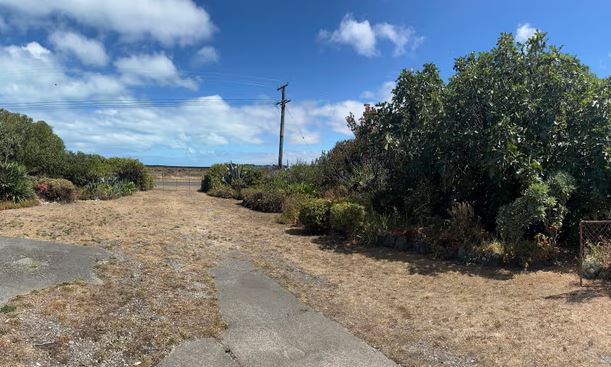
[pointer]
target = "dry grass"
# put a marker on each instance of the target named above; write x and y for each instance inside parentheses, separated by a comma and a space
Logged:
(6, 205)
(415, 310)
(157, 288)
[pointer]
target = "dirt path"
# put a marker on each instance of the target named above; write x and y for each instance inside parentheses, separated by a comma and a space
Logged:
(159, 292)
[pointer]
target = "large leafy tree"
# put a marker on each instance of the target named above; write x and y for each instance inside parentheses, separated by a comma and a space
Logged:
(522, 111)
(508, 118)
(30, 143)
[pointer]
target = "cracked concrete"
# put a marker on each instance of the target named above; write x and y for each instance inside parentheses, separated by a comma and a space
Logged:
(268, 326)
(27, 265)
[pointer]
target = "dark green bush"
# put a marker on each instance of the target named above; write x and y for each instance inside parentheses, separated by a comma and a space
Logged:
(314, 215)
(224, 192)
(85, 169)
(130, 170)
(15, 185)
(540, 210)
(213, 179)
(460, 234)
(263, 201)
(346, 218)
(32, 144)
(56, 190)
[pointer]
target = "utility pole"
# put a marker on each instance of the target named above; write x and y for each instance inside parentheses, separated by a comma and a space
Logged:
(282, 104)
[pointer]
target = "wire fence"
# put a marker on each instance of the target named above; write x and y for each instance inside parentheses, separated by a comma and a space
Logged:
(177, 183)
(594, 250)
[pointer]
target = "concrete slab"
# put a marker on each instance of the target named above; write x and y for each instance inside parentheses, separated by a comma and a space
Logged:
(268, 326)
(27, 265)
(199, 353)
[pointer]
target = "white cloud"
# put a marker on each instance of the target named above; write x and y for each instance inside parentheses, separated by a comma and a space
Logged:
(359, 35)
(156, 68)
(168, 21)
(202, 124)
(205, 127)
(363, 36)
(33, 73)
(400, 36)
(89, 51)
(524, 32)
(207, 54)
(383, 94)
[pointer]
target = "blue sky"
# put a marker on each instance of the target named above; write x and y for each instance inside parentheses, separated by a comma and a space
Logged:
(194, 82)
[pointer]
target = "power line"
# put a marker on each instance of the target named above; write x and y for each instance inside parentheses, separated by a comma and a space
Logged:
(297, 125)
(130, 103)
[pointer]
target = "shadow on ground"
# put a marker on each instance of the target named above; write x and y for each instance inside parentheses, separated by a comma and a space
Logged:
(418, 263)
(583, 294)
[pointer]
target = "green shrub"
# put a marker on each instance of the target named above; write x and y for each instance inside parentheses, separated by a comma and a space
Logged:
(15, 185)
(263, 201)
(108, 190)
(291, 206)
(346, 218)
(314, 215)
(130, 170)
(213, 179)
(540, 209)
(239, 176)
(491, 252)
(458, 235)
(149, 182)
(224, 192)
(57, 190)
(85, 169)
(252, 176)
(526, 253)
(32, 144)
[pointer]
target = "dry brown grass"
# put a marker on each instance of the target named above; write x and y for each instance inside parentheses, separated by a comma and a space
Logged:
(415, 310)
(157, 288)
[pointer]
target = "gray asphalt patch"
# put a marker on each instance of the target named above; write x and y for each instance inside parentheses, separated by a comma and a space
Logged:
(268, 326)
(27, 265)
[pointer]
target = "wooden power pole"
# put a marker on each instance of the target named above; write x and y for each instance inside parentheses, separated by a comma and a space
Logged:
(282, 104)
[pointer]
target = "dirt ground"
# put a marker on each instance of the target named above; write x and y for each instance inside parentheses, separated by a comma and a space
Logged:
(158, 291)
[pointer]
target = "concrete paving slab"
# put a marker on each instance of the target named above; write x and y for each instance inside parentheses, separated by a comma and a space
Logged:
(27, 265)
(268, 326)
(199, 353)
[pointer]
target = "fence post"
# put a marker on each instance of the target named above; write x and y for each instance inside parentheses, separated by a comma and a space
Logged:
(580, 262)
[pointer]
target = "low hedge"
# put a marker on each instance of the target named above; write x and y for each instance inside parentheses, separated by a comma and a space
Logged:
(346, 218)
(224, 192)
(108, 190)
(263, 201)
(314, 215)
(291, 206)
(56, 190)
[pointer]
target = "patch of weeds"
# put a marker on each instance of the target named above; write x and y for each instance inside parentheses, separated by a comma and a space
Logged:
(7, 309)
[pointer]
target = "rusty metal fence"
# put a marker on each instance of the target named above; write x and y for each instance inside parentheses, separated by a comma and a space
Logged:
(594, 249)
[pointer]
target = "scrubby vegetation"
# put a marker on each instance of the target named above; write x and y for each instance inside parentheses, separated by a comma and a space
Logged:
(497, 165)
(56, 190)
(15, 185)
(34, 160)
